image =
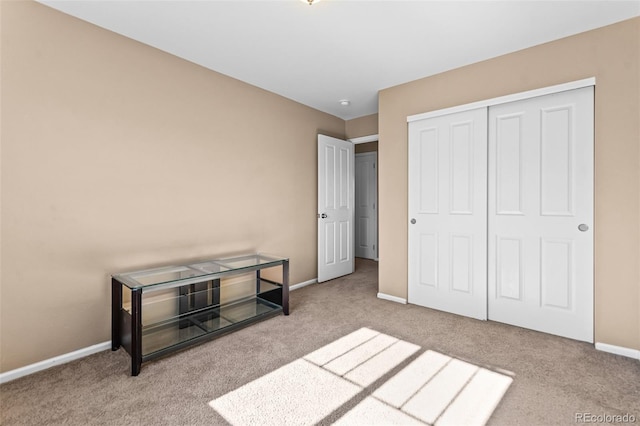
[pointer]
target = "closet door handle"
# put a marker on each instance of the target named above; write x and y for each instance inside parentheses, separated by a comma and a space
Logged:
(413, 221)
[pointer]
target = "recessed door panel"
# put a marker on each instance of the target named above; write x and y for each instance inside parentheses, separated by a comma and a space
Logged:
(509, 164)
(461, 263)
(363, 224)
(330, 249)
(330, 177)
(461, 170)
(428, 260)
(509, 268)
(556, 161)
(345, 240)
(557, 274)
(345, 181)
(362, 197)
(428, 171)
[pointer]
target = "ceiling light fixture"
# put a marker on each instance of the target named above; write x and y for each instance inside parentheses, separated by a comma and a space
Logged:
(310, 2)
(345, 102)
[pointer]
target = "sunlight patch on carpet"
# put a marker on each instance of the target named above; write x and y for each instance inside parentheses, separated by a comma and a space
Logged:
(295, 394)
(373, 412)
(431, 389)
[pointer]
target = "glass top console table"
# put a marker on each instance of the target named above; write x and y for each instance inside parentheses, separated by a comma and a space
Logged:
(161, 310)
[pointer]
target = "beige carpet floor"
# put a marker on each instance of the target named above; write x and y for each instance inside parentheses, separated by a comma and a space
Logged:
(342, 356)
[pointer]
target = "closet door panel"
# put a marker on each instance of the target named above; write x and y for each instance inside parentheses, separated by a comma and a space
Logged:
(447, 213)
(541, 195)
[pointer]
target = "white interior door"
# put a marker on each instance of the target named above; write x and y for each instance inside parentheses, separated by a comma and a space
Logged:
(541, 213)
(336, 181)
(366, 225)
(448, 213)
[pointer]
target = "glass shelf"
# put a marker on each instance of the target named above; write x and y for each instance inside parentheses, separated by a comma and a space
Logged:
(176, 275)
(164, 335)
(156, 310)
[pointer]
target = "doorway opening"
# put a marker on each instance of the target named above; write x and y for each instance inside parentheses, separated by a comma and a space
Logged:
(366, 200)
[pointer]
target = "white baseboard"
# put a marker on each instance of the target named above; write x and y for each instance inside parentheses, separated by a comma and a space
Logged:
(392, 298)
(51, 362)
(618, 350)
(81, 353)
(304, 284)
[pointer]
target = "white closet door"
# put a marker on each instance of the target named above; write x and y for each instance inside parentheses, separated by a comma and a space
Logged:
(541, 213)
(366, 226)
(448, 213)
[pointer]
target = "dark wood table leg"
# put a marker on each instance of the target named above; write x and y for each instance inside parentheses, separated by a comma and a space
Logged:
(116, 307)
(215, 289)
(183, 305)
(285, 287)
(136, 331)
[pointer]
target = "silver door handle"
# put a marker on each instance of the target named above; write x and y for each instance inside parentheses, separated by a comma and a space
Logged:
(583, 227)
(323, 216)
(413, 221)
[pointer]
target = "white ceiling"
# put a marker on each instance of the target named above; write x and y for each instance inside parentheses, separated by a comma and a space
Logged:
(343, 49)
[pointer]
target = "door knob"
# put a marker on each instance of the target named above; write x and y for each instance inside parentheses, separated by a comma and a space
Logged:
(413, 221)
(583, 227)
(323, 215)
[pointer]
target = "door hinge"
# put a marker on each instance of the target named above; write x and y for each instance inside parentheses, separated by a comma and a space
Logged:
(374, 247)
(374, 165)
(374, 206)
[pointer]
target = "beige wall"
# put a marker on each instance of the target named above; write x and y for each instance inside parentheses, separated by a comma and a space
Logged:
(362, 126)
(116, 156)
(612, 55)
(366, 147)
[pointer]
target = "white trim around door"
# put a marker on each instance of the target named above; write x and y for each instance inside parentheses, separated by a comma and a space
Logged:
(578, 84)
(364, 139)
